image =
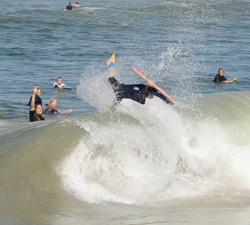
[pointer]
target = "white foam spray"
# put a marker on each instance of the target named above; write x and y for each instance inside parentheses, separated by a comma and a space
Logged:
(150, 153)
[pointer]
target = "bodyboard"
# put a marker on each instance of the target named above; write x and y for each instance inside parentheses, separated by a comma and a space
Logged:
(64, 88)
(153, 84)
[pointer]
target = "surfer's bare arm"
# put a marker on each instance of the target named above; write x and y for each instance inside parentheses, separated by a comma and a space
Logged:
(227, 80)
(223, 81)
(230, 79)
(65, 111)
(33, 99)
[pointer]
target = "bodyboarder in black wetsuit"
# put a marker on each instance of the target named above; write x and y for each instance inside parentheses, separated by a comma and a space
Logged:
(136, 92)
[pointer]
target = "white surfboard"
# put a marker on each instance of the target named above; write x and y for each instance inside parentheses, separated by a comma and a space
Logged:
(232, 79)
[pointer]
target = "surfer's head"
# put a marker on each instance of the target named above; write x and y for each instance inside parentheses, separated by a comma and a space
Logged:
(38, 109)
(220, 71)
(149, 91)
(53, 101)
(59, 80)
(39, 92)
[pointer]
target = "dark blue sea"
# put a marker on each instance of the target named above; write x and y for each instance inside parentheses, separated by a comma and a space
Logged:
(141, 164)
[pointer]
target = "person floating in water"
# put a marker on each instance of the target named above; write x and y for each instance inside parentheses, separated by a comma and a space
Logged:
(135, 92)
(38, 99)
(59, 83)
(35, 109)
(76, 5)
(69, 7)
(219, 78)
(51, 108)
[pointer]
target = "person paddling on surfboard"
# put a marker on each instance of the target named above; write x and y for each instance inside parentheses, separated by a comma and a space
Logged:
(135, 92)
(51, 108)
(219, 78)
(59, 83)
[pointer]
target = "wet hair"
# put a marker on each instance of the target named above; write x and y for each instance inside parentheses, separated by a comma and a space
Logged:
(150, 89)
(51, 100)
(37, 104)
(59, 78)
(76, 2)
(220, 69)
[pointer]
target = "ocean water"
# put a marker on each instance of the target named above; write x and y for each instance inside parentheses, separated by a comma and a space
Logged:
(142, 164)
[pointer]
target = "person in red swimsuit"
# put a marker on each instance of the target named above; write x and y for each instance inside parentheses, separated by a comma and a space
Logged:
(51, 108)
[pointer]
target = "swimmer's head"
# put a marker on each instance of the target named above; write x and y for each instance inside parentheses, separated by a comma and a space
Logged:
(220, 71)
(150, 91)
(59, 80)
(39, 92)
(53, 101)
(38, 109)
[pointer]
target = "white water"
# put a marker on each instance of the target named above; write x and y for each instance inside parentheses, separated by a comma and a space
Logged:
(152, 153)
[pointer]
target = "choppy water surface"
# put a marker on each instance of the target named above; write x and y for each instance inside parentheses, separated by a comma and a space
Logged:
(152, 163)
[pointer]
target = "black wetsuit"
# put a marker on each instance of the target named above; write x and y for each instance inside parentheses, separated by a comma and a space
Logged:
(219, 78)
(34, 117)
(38, 100)
(136, 92)
(69, 7)
(50, 110)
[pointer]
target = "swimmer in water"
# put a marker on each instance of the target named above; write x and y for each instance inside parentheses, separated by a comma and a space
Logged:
(59, 84)
(35, 109)
(38, 99)
(69, 7)
(75, 5)
(51, 108)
